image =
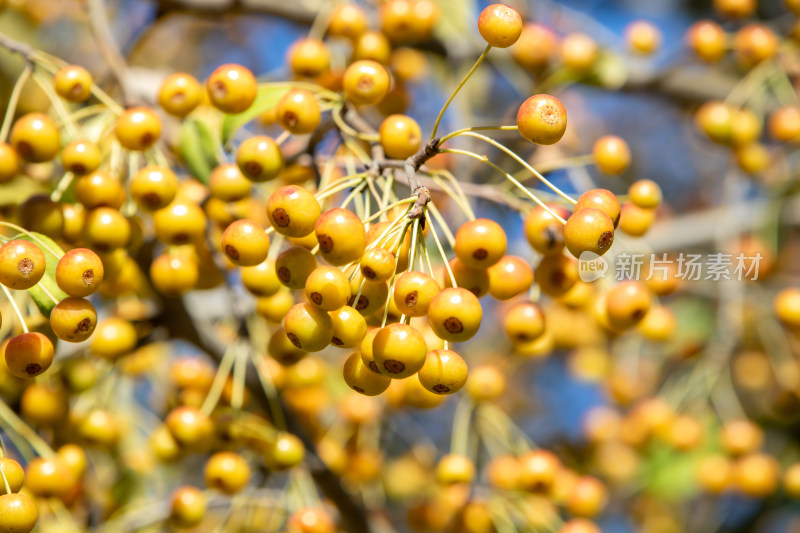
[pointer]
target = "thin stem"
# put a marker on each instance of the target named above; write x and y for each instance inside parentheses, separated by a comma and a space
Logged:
(389, 208)
(272, 395)
(568, 162)
(13, 101)
(223, 371)
(61, 110)
(15, 307)
(524, 163)
(510, 178)
(47, 292)
(313, 87)
(457, 89)
(39, 241)
(61, 187)
(5, 480)
(451, 240)
(444, 257)
(25, 431)
(461, 421)
(477, 128)
(239, 375)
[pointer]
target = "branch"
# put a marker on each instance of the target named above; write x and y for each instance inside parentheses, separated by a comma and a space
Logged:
(98, 23)
(412, 166)
(294, 11)
(180, 323)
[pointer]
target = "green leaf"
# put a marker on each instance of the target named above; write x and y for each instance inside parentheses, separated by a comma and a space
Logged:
(48, 281)
(198, 148)
(266, 99)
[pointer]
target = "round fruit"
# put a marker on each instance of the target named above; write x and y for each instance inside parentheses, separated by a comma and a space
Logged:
(309, 58)
(327, 288)
(341, 236)
(366, 82)
(293, 211)
(13, 473)
(347, 20)
(578, 52)
(787, 307)
(444, 372)
(455, 468)
(48, 477)
(81, 157)
(179, 223)
(138, 128)
(9, 163)
(589, 230)
(232, 88)
(500, 25)
(288, 451)
(544, 232)
(259, 158)
(245, 243)
(535, 47)
(757, 475)
(154, 187)
(180, 94)
(524, 322)
(99, 189)
(708, 40)
(73, 319)
(643, 37)
(413, 292)
(228, 184)
(18, 513)
(645, 194)
(227, 472)
(28, 354)
(480, 243)
(35, 138)
(542, 119)
(399, 350)
(587, 498)
(262, 279)
(73, 83)
(509, 277)
(298, 111)
(784, 124)
(361, 379)
(735, 8)
(190, 427)
(377, 264)
(538, 470)
(455, 314)
(611, 155)
(627, 304)
(79, 272)
(349, 327)
(755, 43)
(634, 220)
(308, 327)
(22, 264)
(113, 338)
(187, 507)
(475, 280)
(174, 273)
(400, 136)
(293, 266)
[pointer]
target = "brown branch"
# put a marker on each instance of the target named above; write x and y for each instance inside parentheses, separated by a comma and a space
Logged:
(293, 11)
(411, 167)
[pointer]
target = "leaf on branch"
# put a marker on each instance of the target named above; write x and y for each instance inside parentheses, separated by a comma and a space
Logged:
(266, 99)
(198, 148)
(48, 281)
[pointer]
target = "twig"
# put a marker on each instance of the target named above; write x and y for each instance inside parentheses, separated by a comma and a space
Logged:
(98, 23)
